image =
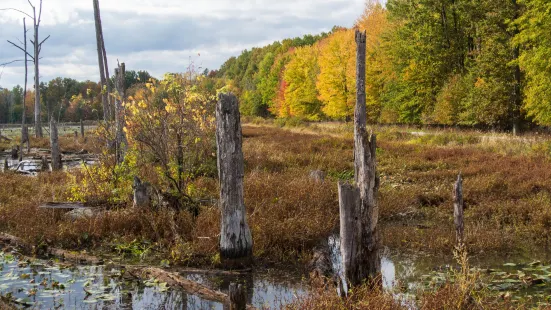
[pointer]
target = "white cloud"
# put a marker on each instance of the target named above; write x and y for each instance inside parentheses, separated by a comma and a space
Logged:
(161, 35)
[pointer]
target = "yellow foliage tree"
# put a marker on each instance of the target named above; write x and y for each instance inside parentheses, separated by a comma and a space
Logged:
(301, 95)
(378, 66)
(336, 82)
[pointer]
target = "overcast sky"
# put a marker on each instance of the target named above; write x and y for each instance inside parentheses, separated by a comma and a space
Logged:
(161, 35)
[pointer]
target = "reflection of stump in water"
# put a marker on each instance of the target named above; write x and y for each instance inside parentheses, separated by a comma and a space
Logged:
(247, 280)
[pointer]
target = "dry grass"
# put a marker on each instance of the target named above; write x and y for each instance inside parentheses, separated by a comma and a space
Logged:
(508, 199)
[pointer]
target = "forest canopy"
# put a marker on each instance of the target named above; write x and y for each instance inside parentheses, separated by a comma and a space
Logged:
(448, 62)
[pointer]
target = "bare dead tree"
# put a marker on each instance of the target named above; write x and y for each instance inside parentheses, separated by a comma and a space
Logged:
(24, 129)
(120, 137)
(103, 66)
(37, 47)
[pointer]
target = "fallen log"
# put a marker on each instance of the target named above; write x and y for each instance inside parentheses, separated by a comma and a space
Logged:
(215, 272)
(62, 205)
(28, 249)
(140, 272)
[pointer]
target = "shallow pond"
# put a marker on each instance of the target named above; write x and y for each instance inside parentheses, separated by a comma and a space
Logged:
(39, 284)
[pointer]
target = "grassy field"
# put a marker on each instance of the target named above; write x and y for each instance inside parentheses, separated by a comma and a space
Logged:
(507, 189)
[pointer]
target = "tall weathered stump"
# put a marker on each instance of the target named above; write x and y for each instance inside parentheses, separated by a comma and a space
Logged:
(458, 207)
(358, 203)
(54, 145)
(236, 242)
(121, 142)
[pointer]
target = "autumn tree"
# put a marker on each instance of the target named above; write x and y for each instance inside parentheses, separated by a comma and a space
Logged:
(336, 81)
(301, 95)
(535, 37)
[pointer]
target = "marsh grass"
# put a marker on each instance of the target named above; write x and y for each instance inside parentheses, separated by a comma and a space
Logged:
(507, 195)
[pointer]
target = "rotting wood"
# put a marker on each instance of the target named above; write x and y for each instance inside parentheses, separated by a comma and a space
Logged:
(358, 203)
(54, 144)
(238, 297)
(215, 272)
(62, 205)
(175, 280)
(458, 207)
(236, 242)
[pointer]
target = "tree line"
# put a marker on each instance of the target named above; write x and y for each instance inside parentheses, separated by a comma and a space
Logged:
(450, 62)
(66, 99)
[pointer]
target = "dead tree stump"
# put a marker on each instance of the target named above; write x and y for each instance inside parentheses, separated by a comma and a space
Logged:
(81, 128)
(235, 237)
(44, 164)
(6, 165)
(54, 144)
(142, 195)
(15, 152)
(120, 139)
(238, 297)
(458, 207)
(358, 203)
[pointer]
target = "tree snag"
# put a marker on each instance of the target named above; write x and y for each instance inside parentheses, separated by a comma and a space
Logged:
(358, 204)
(102, 62)
(235, 237)
(54, 144)
(458, 207)
(120, 138)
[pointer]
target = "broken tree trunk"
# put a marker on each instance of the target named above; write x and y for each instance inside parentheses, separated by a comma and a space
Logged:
(235, 237)
(81, 127)
(142, 197)
(358, 204)
(54, 144)
(458, 207)
(6, 166)
(120, 137)
(238, 297)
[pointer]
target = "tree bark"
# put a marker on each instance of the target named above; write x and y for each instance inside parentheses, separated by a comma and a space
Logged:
(458, 207)
(120, 120)
(101, 61)
(54, 144)
(360, 214)
(235, 237)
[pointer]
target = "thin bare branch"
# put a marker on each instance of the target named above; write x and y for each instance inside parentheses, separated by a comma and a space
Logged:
(13, 61)
(23, 50)
(44, 41)
(12, 9)
(39, 14)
